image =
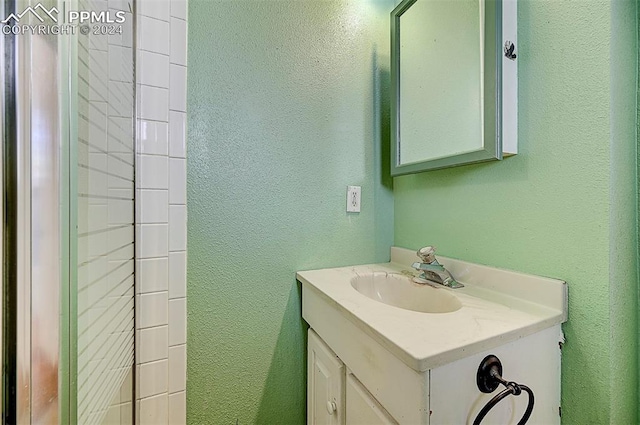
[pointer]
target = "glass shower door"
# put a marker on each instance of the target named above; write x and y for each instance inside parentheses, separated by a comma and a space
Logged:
(67, 174)
(104, 188)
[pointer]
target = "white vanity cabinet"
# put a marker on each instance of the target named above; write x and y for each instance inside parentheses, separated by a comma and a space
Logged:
(385, 362)
(336, 395)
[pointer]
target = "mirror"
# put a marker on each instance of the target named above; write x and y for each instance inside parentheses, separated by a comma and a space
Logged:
(448, 83)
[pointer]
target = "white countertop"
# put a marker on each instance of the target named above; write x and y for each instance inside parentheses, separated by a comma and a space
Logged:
(498, 306)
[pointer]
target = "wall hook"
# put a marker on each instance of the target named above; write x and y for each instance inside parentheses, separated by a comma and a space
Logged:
(509, 50)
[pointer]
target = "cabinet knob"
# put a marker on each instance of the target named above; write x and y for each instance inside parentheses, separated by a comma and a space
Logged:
(331, 407)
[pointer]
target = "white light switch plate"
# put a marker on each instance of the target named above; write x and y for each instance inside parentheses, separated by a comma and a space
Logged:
(353, 199)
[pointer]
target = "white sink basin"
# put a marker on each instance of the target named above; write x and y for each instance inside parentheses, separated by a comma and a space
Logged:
(399, 290)
(495, 307)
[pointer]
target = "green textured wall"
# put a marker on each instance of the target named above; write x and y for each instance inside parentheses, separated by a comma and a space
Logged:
(286, 105)
(565, 206)
(623, 238)
(638, 198)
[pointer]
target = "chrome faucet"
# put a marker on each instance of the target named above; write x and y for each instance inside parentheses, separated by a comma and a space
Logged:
(432, 270)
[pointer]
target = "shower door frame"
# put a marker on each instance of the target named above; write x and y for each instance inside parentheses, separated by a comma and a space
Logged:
(19, 97)
(35, 220)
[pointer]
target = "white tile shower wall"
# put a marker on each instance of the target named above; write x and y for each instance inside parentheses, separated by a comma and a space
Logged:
(161, 212)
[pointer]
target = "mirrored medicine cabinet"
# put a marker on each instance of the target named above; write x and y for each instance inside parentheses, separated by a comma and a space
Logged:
(453, 83)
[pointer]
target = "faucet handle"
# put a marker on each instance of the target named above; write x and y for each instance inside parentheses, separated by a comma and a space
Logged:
(427, 254)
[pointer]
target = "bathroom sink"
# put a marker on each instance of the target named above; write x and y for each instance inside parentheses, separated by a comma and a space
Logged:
(400, 291)
(405, 341)
(362, 307)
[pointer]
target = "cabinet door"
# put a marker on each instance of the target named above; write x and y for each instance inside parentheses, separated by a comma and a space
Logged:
(362, 408)
(325, 384)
